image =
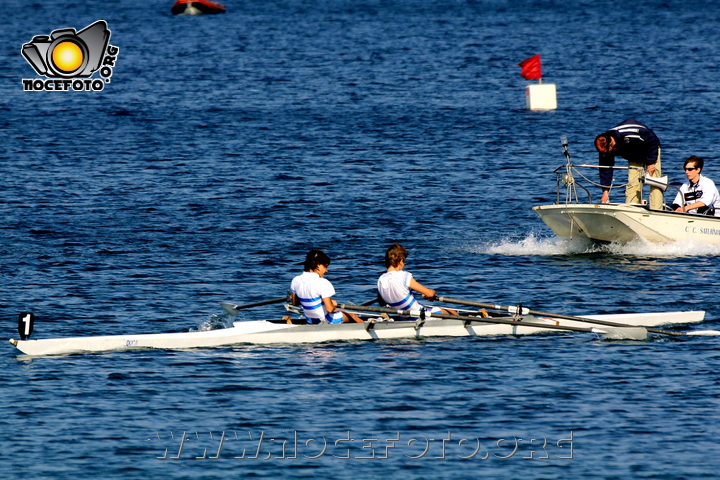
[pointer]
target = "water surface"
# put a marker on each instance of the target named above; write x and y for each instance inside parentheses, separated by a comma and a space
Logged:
(227, 146)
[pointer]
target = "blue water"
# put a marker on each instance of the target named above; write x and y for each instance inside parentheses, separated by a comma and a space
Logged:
(226, 146)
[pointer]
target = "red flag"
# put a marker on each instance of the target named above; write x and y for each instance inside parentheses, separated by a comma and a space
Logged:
(531, 69)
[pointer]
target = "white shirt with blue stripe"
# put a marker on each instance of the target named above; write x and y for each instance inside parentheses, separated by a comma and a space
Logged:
(310, 288)
(394, 288)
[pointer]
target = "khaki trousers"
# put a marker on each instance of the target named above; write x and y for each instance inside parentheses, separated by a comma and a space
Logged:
(633, 190)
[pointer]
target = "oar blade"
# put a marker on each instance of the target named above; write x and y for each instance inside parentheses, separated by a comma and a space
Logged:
(233, 309)
(704, 332)
(230, 308)
(622, 333)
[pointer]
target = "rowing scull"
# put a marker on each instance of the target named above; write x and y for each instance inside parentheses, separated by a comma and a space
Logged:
(282, 332)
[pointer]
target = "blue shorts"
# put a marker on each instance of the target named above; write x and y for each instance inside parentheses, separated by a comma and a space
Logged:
(334, 317)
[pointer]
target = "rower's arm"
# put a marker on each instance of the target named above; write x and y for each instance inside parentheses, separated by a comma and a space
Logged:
(426, 292)
(329, 304)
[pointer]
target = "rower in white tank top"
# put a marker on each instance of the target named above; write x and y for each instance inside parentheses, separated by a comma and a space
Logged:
(394, 287)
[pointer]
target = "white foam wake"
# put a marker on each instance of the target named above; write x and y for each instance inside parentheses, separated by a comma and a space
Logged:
(681, 248)
(532, 245)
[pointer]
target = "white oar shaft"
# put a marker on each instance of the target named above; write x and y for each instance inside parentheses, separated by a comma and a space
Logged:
(424, 314)
(526, 311)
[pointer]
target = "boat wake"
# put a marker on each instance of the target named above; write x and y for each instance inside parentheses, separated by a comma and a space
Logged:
(533, 245)
(681, 248)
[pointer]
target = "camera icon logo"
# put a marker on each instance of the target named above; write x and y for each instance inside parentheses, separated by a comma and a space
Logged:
(66, 53)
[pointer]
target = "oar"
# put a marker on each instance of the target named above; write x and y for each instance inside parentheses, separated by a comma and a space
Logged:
(233, 309)
(624, 331)
(369, 302)
(527, 311)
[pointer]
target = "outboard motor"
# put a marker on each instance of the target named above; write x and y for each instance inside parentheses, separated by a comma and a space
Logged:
(26, 321)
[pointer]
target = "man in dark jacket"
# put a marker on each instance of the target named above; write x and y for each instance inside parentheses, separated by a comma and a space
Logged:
(639, 145)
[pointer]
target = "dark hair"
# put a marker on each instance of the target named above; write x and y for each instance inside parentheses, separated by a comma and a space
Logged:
(395, 255)
(699, 162)
(314, 258)
(602, 141)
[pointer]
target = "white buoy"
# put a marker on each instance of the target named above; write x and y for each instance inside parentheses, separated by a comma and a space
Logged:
(538, 97)
(541, 96)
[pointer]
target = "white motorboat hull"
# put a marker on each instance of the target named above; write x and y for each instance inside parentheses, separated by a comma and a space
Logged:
(271, 332)
(623, 223)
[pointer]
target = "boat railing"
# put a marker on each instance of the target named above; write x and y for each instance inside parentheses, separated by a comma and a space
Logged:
(566, 182)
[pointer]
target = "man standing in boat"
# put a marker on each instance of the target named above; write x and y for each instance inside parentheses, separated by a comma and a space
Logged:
(699, 194)
(313, 292)
(637, 144)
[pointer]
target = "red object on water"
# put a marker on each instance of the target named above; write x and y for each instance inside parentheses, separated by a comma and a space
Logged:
(194, 7)
(531, 69)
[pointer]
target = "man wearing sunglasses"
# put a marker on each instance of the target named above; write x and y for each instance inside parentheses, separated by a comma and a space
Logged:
(637, 144)
(699, 192)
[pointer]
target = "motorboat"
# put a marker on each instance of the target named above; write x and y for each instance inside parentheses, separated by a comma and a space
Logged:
(624, 223)
(571, 217)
